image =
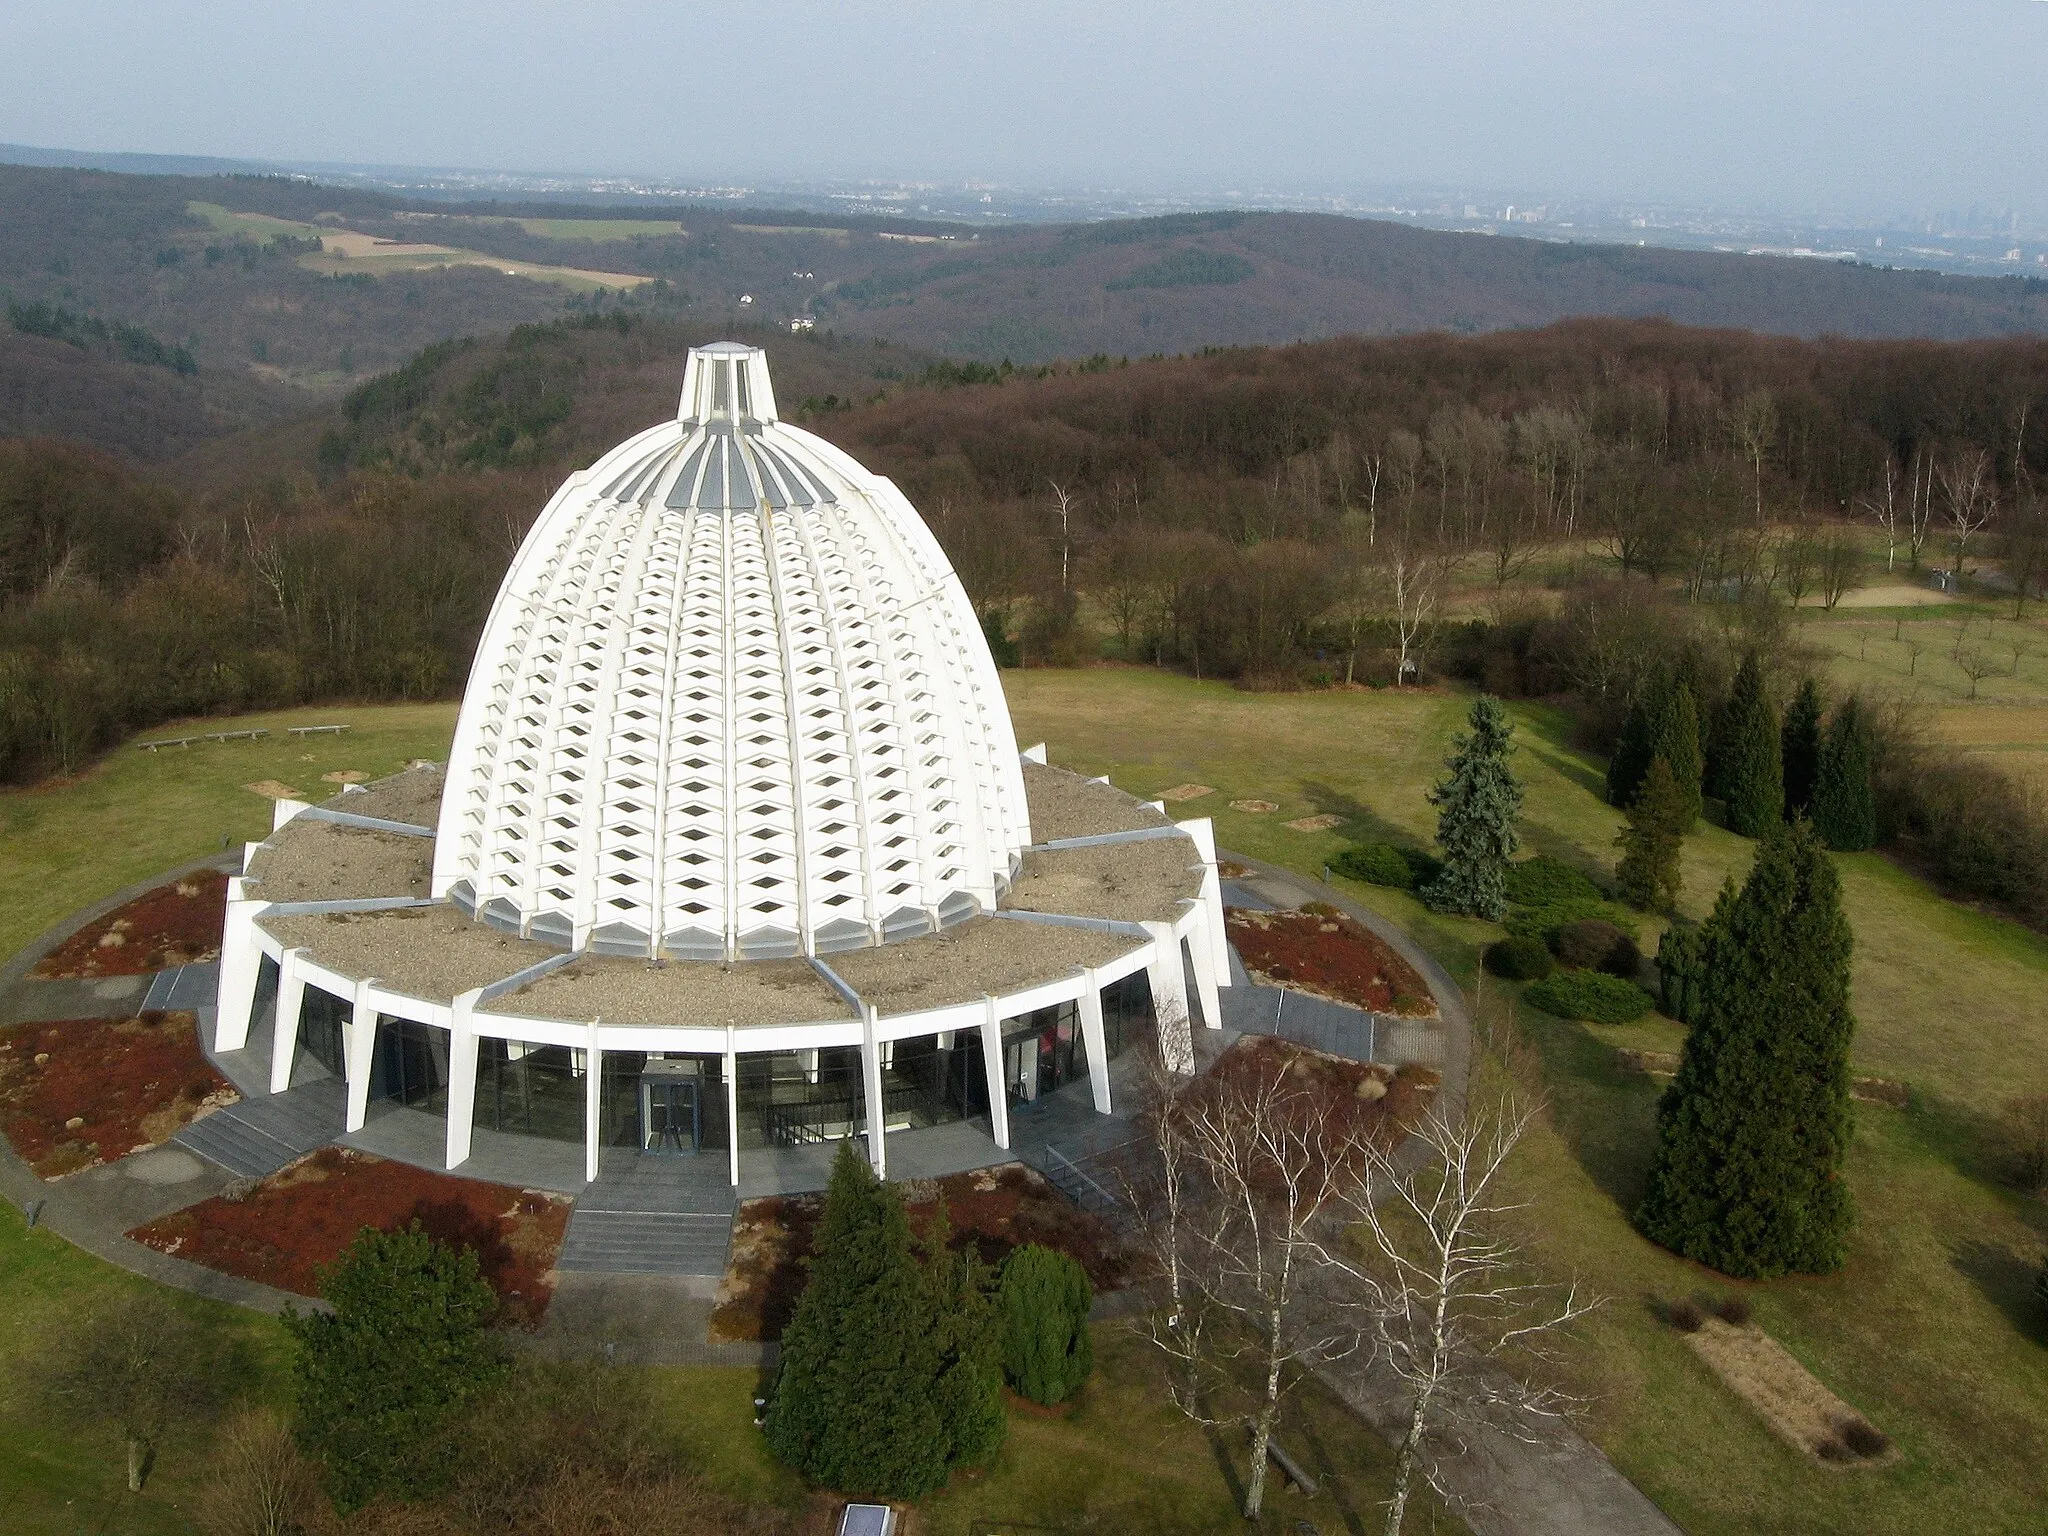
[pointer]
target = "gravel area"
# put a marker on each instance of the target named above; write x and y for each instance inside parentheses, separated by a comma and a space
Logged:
(988, 954)
(413, 797)
(1137, 881)
(430, 952)
(622, 991)
(320, 861)
(1064, 804)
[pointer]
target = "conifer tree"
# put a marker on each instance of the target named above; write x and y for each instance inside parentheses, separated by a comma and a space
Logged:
(1632, 749)
(968, 1391)
(1647, 873)
(855, 1407)
(1675, 737)
(1799, 748)
(1749, 755)
(1047, 1352)
(1844, 805)
(1477, 806)
(1753, 1129)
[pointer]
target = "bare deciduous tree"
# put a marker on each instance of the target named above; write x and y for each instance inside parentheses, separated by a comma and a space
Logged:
(1969, 496)
(1445, 1296)
(1753, 427)
(1883, 507)
(260, 1484)
(1839, 567)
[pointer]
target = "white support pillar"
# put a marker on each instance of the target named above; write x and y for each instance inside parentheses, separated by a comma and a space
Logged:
(360, 1055)
(1170, 999)
(732, 1101)
(241, 961)
(808, 1062)
(871, 1081)
(284, 1034)
(593, 1102)
(992, 1069)
(1092, 1041)
(1203, 956)
(1203, 831)
(462, 1053)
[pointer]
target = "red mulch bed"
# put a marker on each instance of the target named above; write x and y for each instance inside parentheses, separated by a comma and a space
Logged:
(130, 1082)
(1320, 951)
(1384, 1100)
(175, 924)
(992, 1209)
(286, 1227)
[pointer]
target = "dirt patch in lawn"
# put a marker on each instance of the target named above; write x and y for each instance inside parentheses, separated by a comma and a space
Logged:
(281, 1230)
(1328, 955)
(1864, 1090)
(86, 1091)
(992, 1210)
(175, 924)
(1799, 1410)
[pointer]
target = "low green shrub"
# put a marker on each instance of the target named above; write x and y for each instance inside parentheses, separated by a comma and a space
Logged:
(1384, 864)
(1519, 959)
(1542, 922)
(1044, 1300)
(1545, 881)
(1590, 995)
(1594, 944)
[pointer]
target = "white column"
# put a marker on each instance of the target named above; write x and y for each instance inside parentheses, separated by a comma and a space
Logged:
(732, 1103)
(871, 1079)
(284, 1034)
(361, 1051)
(1170, 999)
(808, 1061)
(241, 959)
(1092, 1041)
(1200, 952)
(593, 1102)
(1203, 831)
(992, 1069)
(462, 1051)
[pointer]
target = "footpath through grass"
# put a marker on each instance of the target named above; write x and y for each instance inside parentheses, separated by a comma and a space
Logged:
(1931, 1330)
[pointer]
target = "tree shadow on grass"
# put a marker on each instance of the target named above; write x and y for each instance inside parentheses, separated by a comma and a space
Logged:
(1361, 822)
(1569, 766)
(1606, 1115)
(1331, 1473)
(2006, 1279)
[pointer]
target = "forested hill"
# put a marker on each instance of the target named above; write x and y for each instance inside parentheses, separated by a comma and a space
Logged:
(167, 309)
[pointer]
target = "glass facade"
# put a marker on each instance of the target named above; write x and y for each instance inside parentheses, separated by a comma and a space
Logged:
(530, 1090)
(410, 1065)
(323, 1028)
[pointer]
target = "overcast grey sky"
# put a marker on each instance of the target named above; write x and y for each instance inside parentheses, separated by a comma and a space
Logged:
(1879, 106)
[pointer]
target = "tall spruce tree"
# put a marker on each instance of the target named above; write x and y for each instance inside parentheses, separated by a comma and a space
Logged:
(855, 1406)
(1675, 737)
(1749, 755)
(967, 1330)
(1647, 872)
(1844, 804)
(1476, 809)
(1752, 1132)
(1799, 748)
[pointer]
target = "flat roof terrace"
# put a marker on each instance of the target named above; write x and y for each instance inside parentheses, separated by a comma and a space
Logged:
(433, 952)
(678, 992)
(312, 860)
(987, 955)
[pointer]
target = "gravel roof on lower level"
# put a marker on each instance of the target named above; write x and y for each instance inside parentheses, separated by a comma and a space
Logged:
(1065, 804)
(309, 860)
(413, 797)
(1144, 880)
(986, 955)
(430, 952)
(622, 991)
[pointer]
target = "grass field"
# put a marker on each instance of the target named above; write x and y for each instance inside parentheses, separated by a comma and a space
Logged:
(1930, 1330)
(598, 230)
(348, 250)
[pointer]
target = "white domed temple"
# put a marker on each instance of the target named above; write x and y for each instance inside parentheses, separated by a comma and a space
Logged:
(734, 849)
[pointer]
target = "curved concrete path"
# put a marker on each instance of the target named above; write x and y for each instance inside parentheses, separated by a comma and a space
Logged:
(1501, 1486)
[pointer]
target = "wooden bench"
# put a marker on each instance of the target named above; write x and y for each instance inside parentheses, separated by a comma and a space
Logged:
(317, 730)
(156, 746)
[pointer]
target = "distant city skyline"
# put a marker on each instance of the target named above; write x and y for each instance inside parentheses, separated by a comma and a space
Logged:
(1905, 109)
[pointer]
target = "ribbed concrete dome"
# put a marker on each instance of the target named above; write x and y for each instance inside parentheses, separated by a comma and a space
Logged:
(731, 703)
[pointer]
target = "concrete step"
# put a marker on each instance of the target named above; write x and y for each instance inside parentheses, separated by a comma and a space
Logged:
(259, 1136)
(243, 1149)
(645, 1243)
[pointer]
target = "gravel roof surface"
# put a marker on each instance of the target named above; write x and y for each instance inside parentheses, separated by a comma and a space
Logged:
(432, 952)
(623, 991)
(413, 797)
(1143, 880)
(988, 954)
(307, 860)
(1064, 804)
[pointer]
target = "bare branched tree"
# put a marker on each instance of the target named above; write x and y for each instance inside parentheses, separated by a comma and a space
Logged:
(1753, 428)
(1450, 1306)
(1883, 507)
(1969, 496)
(259, 1483)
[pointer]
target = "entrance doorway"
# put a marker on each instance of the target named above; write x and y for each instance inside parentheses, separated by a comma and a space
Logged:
(671, 1107)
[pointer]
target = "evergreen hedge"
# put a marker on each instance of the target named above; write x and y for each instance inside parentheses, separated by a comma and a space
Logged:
(1544, 881)
(1799, 749)
(1753, 1130)
(1045, 1297)
(1519, 959)
(1590, 995)
(1376, 864)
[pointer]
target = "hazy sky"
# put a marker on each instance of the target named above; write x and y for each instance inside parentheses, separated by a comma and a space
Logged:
(1877, 105)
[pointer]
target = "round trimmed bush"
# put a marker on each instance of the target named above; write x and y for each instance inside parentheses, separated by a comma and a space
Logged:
(1594, 944)
(1044, 1299)
(1518, 959)
(1590, 995)
(1376, 864)
(1545, 882)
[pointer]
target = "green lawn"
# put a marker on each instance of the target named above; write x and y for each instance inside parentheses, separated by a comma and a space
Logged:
(1929, 1331)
